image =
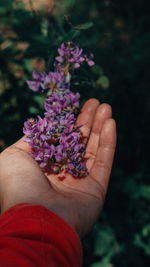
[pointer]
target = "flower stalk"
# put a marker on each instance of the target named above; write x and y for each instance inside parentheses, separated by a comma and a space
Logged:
(57, 143)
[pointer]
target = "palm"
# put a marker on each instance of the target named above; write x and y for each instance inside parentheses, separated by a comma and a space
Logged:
(93, 117)
(71, 198)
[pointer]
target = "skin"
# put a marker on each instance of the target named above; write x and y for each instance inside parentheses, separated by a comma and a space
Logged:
(77, 201)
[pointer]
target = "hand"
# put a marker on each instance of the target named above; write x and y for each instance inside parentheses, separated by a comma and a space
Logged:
(77, 201)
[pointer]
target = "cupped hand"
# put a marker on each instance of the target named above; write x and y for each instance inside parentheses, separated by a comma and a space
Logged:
(77, 201)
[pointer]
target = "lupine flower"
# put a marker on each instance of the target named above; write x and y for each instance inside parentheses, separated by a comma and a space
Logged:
(39, 78)
(71, 53)
(55, 140)
(56, 103)
(53, 81)
(90, 60)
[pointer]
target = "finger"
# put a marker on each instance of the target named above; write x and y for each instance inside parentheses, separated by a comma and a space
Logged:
(102, 165)
(86, 116)
(103, 113)
(21, 144)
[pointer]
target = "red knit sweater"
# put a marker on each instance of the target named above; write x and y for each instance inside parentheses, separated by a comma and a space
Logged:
(31, 235)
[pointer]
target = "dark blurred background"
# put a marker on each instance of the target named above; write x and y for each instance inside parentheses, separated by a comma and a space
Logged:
(118, 33)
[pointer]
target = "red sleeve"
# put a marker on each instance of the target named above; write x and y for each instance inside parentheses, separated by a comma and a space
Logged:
(31, 235)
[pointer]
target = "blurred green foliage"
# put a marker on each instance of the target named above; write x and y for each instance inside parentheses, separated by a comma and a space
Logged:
(118, 32)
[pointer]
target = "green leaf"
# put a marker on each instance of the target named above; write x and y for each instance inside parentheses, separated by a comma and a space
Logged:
(146, 230)
(28, 64)
(33, 110)
(145, 192)
(142, 240)
(103, 81)
(39, 99)
(105, 241)
(70, 35)
(85, 26)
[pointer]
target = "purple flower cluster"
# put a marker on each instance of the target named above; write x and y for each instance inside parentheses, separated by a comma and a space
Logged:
(55, 140)
(57, 103)
(70, 53)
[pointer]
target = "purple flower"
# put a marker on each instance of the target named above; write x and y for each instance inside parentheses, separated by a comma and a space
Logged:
(90, 60)
(53, 81)
(71, 53)
(41, 124)
(56, 103)
(77, 58)
(30, 129)
(67, 121)
(61, 153)
(39, 78)
(72, 99)
(53, 105)
(55, 140)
